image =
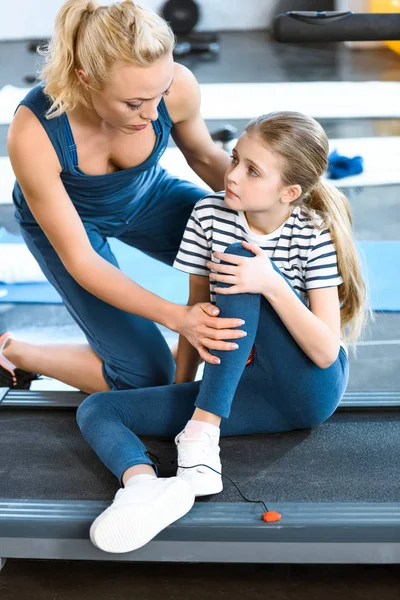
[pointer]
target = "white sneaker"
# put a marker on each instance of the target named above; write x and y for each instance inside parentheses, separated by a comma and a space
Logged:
(139, 512)
(199, 451)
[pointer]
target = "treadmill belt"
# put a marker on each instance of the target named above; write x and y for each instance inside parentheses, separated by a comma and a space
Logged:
(353, 457)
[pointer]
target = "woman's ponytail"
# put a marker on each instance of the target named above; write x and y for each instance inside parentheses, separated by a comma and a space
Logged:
(59, 71)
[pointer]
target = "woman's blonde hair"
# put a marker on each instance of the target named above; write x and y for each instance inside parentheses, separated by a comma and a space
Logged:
(95, 38)
(303, 145)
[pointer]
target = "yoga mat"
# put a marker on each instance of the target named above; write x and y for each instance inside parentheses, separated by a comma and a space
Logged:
(320, 99)
(380, 154)
(379, 260)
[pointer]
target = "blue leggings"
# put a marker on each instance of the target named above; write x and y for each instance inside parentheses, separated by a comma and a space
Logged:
(280, 390)
(133, 350)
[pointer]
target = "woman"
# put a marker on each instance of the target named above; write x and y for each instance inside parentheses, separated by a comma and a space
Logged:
(85, 146)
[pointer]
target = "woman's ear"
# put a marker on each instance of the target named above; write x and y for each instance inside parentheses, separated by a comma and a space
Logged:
(81, 75)
(291, 193)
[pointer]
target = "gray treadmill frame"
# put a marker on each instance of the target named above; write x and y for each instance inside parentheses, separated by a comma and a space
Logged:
(318, 533)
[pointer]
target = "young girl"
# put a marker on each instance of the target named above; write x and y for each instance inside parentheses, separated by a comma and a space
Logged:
(276, 248)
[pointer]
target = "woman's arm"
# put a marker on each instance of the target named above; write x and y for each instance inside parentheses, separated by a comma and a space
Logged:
(190, 132)
(188, 359)
(37, 168)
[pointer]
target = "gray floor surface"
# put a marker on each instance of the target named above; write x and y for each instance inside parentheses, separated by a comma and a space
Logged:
(247, 56)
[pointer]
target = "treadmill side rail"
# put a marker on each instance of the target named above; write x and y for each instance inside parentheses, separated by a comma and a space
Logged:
(27, 399)
(213, 532)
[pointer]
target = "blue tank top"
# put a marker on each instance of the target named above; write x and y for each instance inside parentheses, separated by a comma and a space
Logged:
(105, 197)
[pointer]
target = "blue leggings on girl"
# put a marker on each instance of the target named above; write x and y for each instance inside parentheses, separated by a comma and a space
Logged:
(280, 390)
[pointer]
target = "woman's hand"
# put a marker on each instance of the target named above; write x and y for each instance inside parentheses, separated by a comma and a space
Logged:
(255, 275)
(206, 331)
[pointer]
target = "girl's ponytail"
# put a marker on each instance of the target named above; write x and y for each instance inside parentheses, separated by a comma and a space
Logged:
(329, 203)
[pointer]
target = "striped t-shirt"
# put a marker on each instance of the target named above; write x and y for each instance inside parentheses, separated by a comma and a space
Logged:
(304, 252)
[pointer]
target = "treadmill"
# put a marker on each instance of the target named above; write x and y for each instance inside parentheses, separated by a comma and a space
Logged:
(337, 486)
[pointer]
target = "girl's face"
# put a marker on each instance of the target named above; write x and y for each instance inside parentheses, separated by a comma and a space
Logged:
(253, 181)
(129, 101)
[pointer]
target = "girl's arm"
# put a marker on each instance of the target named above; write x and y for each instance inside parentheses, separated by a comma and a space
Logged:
(188, 358)
(316, 330)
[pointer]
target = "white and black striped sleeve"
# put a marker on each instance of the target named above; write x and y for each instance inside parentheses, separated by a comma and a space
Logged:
(195, 249)
(322, 268)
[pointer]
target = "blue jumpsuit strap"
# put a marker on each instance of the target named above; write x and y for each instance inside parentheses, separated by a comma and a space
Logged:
(156, 127)
(70, 140)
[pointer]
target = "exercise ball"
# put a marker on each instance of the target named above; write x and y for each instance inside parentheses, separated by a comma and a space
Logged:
(387, 6)
(182, 15)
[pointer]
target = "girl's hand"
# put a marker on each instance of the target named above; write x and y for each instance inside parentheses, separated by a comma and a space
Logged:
(254, 275)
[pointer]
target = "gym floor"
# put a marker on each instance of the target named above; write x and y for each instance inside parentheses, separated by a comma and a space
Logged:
(376, 216)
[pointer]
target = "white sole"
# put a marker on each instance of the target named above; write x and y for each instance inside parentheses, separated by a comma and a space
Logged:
(201, 488)
(209, 491)
(128, 527)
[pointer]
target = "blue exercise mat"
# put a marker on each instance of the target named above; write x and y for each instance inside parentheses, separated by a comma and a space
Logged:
(378, 258)
(380, 261)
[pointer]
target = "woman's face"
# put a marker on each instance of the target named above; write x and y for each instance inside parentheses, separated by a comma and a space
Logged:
(129, 101)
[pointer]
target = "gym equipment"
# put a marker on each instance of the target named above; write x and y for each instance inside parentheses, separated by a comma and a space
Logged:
(335, 26)
(226, 136)
(387, 6)
(336, 487)
(197, 43)
(183, 16)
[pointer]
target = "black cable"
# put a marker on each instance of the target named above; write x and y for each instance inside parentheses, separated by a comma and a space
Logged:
(269, 516)
(231, 480)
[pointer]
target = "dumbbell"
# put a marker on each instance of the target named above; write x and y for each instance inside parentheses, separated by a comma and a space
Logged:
(226, 137)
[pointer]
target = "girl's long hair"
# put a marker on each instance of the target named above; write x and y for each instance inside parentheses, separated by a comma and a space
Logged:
(303, 145)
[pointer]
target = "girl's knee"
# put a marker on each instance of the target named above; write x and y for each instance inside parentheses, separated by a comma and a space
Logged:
(90, 407)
